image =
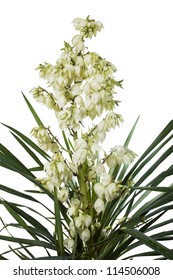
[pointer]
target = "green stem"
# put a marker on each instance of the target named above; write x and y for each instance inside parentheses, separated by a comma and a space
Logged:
(83, 186)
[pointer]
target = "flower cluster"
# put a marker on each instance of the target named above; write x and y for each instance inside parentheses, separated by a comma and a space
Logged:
(83, 89)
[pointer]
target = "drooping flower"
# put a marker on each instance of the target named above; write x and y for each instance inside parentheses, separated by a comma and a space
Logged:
(85, 235)
(99, 205)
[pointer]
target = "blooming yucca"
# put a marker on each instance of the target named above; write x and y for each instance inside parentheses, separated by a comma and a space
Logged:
(83, 99)
(95, 204)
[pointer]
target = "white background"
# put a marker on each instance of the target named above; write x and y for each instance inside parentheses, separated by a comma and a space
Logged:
(137, 38)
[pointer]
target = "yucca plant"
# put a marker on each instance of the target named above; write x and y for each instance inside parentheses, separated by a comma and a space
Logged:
(89, 203)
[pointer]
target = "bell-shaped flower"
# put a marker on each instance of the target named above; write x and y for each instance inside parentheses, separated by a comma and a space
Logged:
(61, 101)
(79, 221)
(63, 195)
(76, 90)
(79, 23)
(87, 220)
(72, 210)
(99, 205)
(99, 189)
(106, 179)
(85, 235)
(100, 169)
(111, 191)
(79, 156)
(69, 243)
(72, 229)
(80, 144)
(111, 161)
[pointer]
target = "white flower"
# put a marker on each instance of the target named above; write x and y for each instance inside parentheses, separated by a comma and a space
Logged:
(87, 59)
(75, 201)
(63, 195)
(99, 78)
(79, 61)
(49, 185)
(72, 229)
(54, 148)
(96, 98)
(79, 23)
(86, 88)
(69, 243)
(99, 108)
(110, 192)
(113, 119)
(89, 104)
(87, 220)
(55, 181)
(95, 149)
(111, 161)
(77, 116)
(80, 144)
(85, 234)
(77, 42)
(106, 179)
(76, 39)
(79, 156)
(42, 136)
(61, 101)
(72, 210)
(100, 169)
(99, 189)
(103, 126)
(79, 221)
(61, 167)
(47, 169)
(95, 85)
(99, 205)
(78, 100)
(98, 25)
(101, 136)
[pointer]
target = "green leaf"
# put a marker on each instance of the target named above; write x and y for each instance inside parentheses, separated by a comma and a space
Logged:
(58, 225)
(164, 133)
(2, 258)
(36, 117)
(54, 258)
(7, 158)
(155, 189)
(36, 224)
(28, 150)
(14, 214)
(31, 242)
(155, 165)
(17, 193)
(150, 242)
(128, 139)
(19, 254)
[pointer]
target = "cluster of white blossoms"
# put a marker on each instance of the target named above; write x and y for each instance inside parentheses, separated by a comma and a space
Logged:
(82, 90)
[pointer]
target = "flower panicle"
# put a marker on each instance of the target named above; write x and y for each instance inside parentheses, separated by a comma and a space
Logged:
(82, 96)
